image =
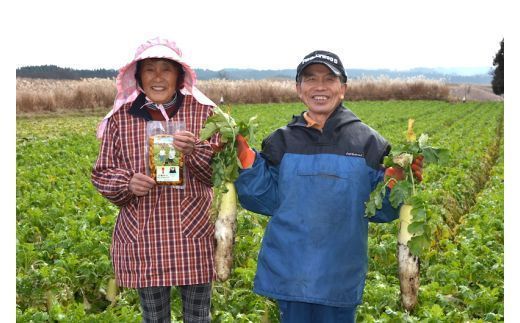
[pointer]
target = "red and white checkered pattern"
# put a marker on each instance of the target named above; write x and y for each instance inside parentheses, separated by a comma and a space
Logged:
(164, 238)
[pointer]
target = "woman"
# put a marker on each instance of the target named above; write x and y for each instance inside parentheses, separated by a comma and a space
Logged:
(163, 236)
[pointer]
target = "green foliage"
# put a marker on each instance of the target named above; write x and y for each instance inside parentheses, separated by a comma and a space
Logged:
(375, 202)
(498, 74)
(64, 226)
(406, 191)
(225, 163)
(400, 193)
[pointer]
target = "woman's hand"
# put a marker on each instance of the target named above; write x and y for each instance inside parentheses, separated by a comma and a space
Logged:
(184, 142)
(140, 184)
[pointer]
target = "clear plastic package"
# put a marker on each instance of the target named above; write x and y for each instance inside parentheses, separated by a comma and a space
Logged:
(165, 164)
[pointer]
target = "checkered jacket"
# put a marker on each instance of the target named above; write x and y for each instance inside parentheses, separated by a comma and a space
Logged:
(164, 238)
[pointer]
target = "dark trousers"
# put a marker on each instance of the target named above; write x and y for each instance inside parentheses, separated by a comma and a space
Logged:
(299, 312)
(196, 303)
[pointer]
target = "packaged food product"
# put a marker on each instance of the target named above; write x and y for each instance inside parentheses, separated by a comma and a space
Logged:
(165, 163)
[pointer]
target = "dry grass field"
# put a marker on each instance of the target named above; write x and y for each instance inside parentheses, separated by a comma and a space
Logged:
(42, 95)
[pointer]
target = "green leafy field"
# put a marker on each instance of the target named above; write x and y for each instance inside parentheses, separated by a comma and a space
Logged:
(64, 226)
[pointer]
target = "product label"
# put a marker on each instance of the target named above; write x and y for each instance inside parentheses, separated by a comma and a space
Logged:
(166, 163)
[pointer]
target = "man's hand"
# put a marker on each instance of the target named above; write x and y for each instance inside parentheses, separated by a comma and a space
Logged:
(245, 154)
(140, 184)
(396, 173)
(417, 167)
(184, 142)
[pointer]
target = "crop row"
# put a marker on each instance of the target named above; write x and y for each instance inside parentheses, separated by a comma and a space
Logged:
(461, 276)
(454, 191)
(64, 226)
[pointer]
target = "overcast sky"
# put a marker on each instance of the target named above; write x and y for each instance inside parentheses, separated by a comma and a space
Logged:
(260, 34)
(266, 34)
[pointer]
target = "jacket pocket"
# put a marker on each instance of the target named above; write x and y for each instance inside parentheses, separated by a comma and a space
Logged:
(127, 225)
(195, 217)
(325, 173)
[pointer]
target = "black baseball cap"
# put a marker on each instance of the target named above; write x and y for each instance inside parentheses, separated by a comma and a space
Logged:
(328, 59)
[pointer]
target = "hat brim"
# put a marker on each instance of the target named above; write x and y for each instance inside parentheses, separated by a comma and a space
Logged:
(331, 68)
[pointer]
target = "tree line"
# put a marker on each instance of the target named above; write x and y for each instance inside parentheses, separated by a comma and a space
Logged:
(61, 73)
(498, 74)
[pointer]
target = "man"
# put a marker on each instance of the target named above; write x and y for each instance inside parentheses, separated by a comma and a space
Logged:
(313, 177)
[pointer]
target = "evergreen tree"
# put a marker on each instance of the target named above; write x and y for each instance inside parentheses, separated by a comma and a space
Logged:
(498, 74)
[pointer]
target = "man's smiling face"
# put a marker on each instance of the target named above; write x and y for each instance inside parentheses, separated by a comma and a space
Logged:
(320, 90)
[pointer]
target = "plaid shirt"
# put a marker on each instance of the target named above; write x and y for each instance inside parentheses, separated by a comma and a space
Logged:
(165, 238)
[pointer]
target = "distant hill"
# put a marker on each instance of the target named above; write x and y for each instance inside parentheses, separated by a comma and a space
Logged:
(427, 73)
(445, 74)
(60, 73)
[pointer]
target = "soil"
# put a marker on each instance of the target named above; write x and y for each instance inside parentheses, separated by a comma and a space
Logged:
(473, 92)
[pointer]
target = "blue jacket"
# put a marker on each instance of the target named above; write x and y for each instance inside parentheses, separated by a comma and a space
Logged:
(314, 185)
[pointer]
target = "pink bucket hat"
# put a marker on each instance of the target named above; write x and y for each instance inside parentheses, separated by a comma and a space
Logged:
(126, 84)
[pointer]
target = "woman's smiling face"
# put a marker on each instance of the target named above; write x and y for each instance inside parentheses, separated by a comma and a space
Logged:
(159, 79)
